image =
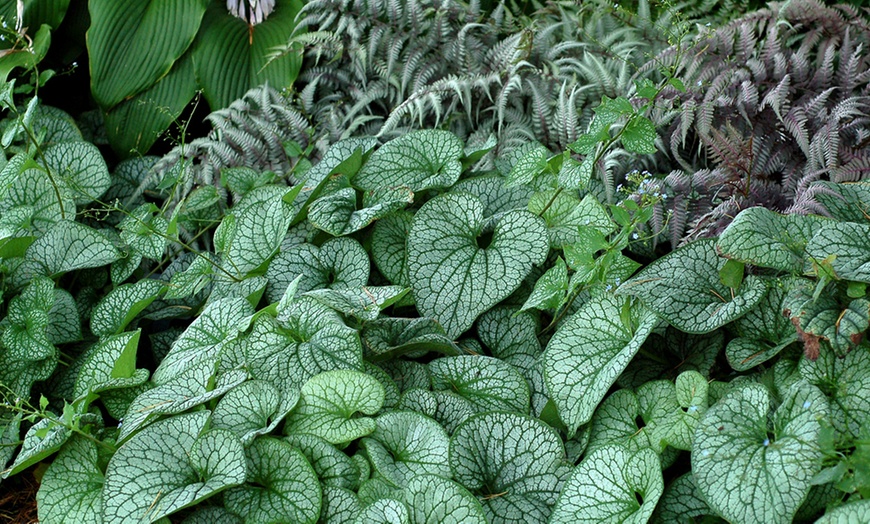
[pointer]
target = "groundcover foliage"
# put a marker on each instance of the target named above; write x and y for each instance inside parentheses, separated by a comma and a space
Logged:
(402, 333)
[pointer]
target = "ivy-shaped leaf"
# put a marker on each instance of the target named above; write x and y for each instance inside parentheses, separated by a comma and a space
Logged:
(455, 279)
(71, 488)
(406, 445)
(205, 338)
(329, 403)
(683, 287)
(589, 351)
(68, 246)
(80, 167)
(750, 471)
(764, 238)
(512, 462)
(332, 466)
(252, 409)
(281, 485)
(845, 245)
(419, 160)
(121, 305)
(169, 466)
(489, 383)
(612, 484)
(340, 263)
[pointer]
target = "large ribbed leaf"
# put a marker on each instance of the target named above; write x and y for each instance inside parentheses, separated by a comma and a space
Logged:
(589, 351)
(281, 487)
(612, 484)
(169, 466)
(453, 278)
(231, 57)
(133, 43)
(512, 462)
(420, 160)
(751, 467)
(684, 288)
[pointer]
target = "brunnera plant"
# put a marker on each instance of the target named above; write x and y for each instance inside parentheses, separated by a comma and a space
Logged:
(394, 336)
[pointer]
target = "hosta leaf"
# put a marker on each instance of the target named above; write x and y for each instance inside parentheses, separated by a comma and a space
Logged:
(68, 246)
(205, 338)
(454, 280)
(388, 247)
(846, 245)
(191, 388)
(513, 461)
(489, 383)
(281, 485)
(612, 484)
(339, 505)
(419, 160)
(588, 352)
(749, 471)
(329, 404)
(639, 136)
(333, 467)
(406, 445)
(681, 502)
(123, 61)
(71, 489)
(230, 57)
(389, 337)
(171, 465)
(683, 287)
(340, 263)
(765, 238)
(448, 408)
(846, 382)
(437, 500)
(80, 167)
(567, 214)
(364, 303)
(313, 341)
(384, 511)
(252, 409)
(337, 213)
(121, 305)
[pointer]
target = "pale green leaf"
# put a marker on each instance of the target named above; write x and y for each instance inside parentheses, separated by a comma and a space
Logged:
(418, 160)
(751, 467)
(121, 305)
(588, 352)
(71, 488)
(329, 404)
(173, 464)
(683, 287)
(281, 487)
(612, 484)
(406, 445)
(68, 246)
(454, 280)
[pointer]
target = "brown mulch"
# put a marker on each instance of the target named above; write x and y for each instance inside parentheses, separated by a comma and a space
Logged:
(18, 499)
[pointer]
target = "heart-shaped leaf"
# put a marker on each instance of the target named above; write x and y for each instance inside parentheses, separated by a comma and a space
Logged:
(171, 465)
(455, 279)
(750, 471)
(588, 352)
(612, 484)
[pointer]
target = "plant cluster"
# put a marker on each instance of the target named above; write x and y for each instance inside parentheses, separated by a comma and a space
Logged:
(292, 320)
